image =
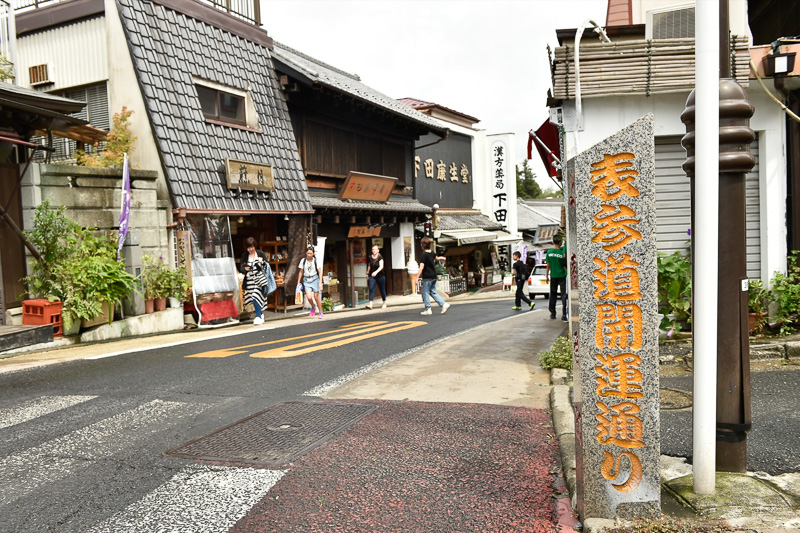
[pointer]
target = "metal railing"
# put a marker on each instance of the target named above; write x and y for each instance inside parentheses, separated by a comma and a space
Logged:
(247, 10)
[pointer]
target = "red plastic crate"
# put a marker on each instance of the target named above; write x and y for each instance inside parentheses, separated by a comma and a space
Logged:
(40, 312)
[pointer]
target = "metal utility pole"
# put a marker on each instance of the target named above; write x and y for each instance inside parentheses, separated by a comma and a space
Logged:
(728, 110)
(733, 343)
(702, 139)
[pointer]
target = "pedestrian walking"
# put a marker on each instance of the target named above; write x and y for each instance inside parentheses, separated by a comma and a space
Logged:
(312, 276)
(520, 272)
(376, 275)
(427, 267)
(556, 259)
(259, 282)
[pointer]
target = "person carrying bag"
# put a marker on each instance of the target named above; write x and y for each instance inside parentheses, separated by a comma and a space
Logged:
(259, 282)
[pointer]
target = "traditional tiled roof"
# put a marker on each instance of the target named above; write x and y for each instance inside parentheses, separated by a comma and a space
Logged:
(421, 105)
(398, 204)
(170, 49)
(323, 74)
(456, 220)
(530, 216)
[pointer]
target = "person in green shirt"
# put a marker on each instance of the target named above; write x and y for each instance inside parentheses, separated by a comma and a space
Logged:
(556, 259)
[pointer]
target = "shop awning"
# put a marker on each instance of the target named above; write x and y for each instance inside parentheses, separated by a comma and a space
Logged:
(460, 250)
(504, 237)
(469, 236)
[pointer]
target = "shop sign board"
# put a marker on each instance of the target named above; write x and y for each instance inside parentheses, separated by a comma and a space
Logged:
(250, 176)
(360, 232)
(500, 176)
(184, 253)
(371, 187)
(545, 233)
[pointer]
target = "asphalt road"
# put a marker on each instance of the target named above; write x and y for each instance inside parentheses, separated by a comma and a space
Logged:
(773, 445)
(81, 440)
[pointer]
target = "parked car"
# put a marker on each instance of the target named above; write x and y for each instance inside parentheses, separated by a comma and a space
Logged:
(537, 283)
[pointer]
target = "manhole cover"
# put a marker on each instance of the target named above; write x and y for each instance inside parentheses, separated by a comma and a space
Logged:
(275, 436)
(675, 399)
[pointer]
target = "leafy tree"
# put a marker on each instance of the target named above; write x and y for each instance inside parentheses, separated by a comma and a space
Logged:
(527, 188)
(119, 141)
(6, 69)
(552, 192)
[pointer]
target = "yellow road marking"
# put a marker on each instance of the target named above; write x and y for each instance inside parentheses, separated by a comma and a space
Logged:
(335, 340)
(375, 327)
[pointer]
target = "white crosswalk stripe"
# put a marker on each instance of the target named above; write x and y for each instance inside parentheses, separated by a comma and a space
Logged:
(66, 455)
(200, 498)
(38, 407)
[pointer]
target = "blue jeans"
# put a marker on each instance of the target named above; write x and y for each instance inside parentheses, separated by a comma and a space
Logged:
(258, 308)
(380, 281)
(429, 291)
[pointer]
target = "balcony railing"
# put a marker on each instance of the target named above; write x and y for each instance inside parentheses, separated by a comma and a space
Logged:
(247, 10)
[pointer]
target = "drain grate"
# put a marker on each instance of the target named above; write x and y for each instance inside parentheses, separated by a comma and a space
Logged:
(275, 436)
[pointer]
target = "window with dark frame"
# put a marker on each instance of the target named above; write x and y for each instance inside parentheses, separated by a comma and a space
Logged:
(221, 106)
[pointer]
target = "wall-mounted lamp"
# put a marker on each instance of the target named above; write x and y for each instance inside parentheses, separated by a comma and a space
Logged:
(286, 217)
(336, 219)
(319, 219)
(353, 219)
(240, 220)
(778, 64)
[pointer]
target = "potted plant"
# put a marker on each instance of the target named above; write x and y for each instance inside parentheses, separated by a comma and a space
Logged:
(786, 294)
(76, 267)
(160, 281)
(757, 299)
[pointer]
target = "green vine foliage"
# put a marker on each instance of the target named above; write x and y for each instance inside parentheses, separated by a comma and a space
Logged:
(674, 290)
(118, 142)
(559, 355)
(785, 290)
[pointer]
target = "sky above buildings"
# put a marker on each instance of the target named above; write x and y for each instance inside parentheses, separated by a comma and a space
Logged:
(484, 58)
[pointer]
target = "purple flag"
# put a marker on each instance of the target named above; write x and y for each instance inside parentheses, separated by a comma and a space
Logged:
(124, 216)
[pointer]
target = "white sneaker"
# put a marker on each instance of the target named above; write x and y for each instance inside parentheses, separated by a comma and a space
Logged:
(257, 321)
(427, 312)
(445, 307)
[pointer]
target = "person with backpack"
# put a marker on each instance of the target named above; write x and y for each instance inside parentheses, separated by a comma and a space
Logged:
(312, 277)
(556, 259)
(520, 272)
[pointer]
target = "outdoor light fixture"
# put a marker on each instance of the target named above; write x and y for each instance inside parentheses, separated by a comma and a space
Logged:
(319, 219)
(353, 219)
(778, 64)
(336, 219)
(286, 217)
(240, 220)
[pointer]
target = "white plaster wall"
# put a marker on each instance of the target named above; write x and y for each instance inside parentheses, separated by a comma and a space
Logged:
(123, 90)
(606, 116)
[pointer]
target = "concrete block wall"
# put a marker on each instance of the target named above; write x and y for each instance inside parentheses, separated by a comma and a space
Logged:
(92, 197)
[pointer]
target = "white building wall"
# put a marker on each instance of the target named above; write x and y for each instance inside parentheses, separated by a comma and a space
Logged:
(75, 54)
(606, 116)
(737, 10)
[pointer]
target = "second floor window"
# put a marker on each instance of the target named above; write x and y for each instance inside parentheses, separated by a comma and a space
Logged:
(222, 106)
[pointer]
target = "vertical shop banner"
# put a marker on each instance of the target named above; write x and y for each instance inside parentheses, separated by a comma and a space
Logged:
(612, 197)
(500, 182)
(125, 210)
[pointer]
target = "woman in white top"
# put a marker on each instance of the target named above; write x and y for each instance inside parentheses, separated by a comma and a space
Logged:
(311, 271)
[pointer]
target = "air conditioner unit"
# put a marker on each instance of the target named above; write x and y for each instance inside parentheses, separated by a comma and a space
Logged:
(674, 22)
(37, 75)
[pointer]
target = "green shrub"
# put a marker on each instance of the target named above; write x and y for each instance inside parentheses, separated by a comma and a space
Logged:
(327, 305)
(559, 355)
(785, 290)
(674, 290)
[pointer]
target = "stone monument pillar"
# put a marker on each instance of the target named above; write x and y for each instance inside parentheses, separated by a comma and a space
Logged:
(613, 274)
